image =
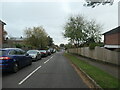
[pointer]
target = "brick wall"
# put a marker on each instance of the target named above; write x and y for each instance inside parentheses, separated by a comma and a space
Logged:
(1, 35)
(112, 39)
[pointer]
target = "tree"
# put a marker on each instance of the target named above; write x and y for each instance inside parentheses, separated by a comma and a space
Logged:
(69, 45)
(36, 37)
(62, 45)
(74, 29)
(50, 41)
(79, 30)
(94, 3)
(93, 33)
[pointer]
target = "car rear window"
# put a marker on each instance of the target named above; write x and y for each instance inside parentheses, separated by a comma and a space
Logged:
(2, 52)
(42, 51)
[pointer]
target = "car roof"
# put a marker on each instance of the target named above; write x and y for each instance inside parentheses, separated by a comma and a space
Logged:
(32, 50)
(10, 49)
(42, 50)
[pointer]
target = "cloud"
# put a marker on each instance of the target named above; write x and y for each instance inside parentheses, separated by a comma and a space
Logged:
(66, 7)
(52, 16)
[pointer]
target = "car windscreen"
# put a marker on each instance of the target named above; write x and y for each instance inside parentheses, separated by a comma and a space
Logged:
(32, 52)
(2, 52)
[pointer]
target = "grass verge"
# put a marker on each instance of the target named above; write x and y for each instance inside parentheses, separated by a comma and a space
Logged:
(101, 77)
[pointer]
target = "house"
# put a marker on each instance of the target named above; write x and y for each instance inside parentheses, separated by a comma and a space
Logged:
(112, 39)
(13, 41)
(2, 32)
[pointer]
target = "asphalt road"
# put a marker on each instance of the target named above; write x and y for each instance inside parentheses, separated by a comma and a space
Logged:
(51, 72)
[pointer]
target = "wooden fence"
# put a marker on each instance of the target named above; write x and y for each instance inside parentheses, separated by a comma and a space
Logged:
(98, 53)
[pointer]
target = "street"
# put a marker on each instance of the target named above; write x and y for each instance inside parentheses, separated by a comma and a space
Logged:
(51, 72)
(59, 44)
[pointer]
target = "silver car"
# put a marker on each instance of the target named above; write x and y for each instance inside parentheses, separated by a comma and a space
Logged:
(35, 54)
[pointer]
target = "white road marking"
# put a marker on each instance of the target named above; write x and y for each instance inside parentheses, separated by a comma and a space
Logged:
(33, 72)
(46, 61)
(51, 57)
(29, 75)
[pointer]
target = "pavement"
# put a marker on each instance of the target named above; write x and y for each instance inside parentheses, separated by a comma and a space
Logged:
(51, 72)
(109, 68)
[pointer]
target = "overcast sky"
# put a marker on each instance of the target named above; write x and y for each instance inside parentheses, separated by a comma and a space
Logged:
(52, 16)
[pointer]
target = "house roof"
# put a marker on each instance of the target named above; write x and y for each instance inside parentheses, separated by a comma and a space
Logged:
(113, 31)
(1, 22)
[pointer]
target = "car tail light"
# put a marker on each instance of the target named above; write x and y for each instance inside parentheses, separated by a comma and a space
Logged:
(4, 58)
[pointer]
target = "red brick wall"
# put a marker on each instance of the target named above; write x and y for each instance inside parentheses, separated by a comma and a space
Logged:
(112, 39)
(1, 34)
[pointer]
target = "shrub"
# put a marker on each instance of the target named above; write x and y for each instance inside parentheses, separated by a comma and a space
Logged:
(93, 45)
(18, 45)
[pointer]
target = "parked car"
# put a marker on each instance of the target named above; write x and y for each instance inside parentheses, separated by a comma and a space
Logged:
(12, 59)
(35, 54)
(49, 52)
(52, 50)
(44, 53)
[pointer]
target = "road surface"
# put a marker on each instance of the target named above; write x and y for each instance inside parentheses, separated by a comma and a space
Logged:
(51, 72)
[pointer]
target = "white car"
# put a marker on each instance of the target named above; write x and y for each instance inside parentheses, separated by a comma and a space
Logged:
(35, 54)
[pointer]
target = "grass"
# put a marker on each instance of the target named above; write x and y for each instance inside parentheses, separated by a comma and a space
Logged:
(101, 77)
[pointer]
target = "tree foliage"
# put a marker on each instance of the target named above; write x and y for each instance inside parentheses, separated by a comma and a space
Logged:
(94, 3)
(50, 41)
(74, 29)
(18, 45)
(62, 45)
(80, 31)
(69, 45)
(36, 37)
(93, 33)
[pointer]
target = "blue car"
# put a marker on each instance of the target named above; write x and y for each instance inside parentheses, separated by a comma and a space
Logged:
(12, 59)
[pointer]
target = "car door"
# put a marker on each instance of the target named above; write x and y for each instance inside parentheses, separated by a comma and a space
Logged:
(20, 58)
(16, 57)
(25, 57)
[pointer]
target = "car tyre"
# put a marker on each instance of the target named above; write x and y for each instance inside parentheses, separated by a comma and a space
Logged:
(40, 57)
(15, 68)
(30, 63)
(36, 58)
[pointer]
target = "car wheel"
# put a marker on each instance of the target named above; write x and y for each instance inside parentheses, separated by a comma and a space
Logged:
(40, 57)
(15, 68)
(36, 58)
(30, 63)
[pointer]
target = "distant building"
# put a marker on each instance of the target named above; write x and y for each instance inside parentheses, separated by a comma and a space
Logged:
(2, 31)
(11, 42)
(112, 39)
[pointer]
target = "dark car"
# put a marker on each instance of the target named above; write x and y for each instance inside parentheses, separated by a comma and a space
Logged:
(44, 53)
(35, 54)
(12, 59)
